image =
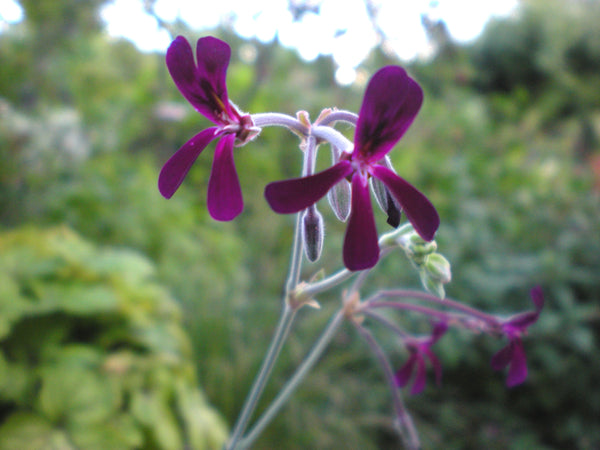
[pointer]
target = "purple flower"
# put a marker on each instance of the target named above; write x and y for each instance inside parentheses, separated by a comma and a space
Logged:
(203, 85)
(513, 355)
(391, 103)
(419, 350)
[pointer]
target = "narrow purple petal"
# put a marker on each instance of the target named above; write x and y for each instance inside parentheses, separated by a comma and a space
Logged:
(517, 373)
(290, 196)
(420, 377)
(418, 209)
(438, 331)
(224, 193)
(521, 321)
(204, 88)
(213, 59)
(537, 296)
(176, 168)
(501, 359)
(361, 246)
(391, 103)
(403, 375)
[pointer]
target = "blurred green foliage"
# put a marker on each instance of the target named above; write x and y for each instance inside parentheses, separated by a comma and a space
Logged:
(92, 351)
(506, 146)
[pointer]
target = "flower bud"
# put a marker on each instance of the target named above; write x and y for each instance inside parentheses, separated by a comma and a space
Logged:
(386, 202)
(339, 195)
(438, 268)
(431, 285)
(419, 247)
(339, 199)
(434, 273)
(312, 233)
(384, 199)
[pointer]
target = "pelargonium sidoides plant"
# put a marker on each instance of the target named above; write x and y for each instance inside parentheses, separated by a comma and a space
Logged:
(391, 102)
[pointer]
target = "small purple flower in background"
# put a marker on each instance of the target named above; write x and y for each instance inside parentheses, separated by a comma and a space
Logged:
(513, 355)
(391, 102)
(419, 350)
(203, 85)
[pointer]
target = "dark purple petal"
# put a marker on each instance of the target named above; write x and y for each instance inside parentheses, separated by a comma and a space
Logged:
(501, 359)
(213, 59)
(537, 296)
(361, 246)
(520, 322)
(418, 209)
(404, 373)
(176, 168)
(523, 320)
(438, 331)
(203, 88)
(420, 377)
(290, 196)
(517, 372)
(224, 193)
(391, 103)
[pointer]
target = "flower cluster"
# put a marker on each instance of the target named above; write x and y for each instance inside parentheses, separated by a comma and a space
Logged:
(391, 103)
(449, 313)
(359, 168)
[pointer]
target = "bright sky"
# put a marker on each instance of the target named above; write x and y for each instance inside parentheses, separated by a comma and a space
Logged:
(341, 29)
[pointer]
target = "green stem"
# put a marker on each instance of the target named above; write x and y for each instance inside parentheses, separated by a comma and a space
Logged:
(283, 328)
(294, 382)
(295, 261)
(405, 425)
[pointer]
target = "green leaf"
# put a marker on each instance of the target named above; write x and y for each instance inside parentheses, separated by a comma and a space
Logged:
(120, 432)
(152, 409)
(29, 431)
(76, 394)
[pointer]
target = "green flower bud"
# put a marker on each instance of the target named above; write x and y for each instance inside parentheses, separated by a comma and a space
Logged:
(431, 285)
(438, 268)
(418, 246)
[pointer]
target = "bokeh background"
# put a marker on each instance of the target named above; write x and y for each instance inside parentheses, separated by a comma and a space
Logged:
(129, 321)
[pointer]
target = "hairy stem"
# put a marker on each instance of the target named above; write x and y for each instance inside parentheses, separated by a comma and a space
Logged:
(406, 427)
(280, 120)
(294, 382)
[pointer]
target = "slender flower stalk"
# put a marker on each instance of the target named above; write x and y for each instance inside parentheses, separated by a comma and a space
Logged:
(262, 120)
(283, 328)
(311, 359)
(406, 427)
(488, 319)
(338, 116)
